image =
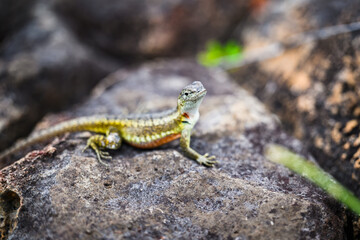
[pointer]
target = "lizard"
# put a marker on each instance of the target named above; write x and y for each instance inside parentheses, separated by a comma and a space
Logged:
(141, 131)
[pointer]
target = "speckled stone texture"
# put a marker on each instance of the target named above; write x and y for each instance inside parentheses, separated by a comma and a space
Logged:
(160, 194)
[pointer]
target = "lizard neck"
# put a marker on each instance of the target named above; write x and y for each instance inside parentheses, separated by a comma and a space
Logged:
(189, 111)
(189, 117)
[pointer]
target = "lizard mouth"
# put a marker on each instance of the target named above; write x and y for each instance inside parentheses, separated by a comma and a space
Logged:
(202, 93)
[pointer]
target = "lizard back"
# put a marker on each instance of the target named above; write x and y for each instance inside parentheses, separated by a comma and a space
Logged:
(142, 131)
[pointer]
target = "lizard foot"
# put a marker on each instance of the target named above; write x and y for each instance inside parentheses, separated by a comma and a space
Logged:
(103, 155)
(206, 160)
(100, 154)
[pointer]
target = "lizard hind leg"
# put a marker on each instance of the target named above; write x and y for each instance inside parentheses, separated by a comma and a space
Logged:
(112, 140)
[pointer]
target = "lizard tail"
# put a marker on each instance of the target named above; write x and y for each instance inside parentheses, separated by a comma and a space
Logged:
(74, 125)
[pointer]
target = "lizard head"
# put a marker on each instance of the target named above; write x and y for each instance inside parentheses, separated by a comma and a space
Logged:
(191, 97)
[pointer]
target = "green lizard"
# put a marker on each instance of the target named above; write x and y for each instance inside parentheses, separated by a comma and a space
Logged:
(141, 131)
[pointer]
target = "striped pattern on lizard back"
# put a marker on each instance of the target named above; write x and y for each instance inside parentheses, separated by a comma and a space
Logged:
(141, 131)
(151, 130)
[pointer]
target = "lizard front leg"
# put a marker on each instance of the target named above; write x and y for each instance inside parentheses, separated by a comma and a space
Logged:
(191, 153)
(112, 140)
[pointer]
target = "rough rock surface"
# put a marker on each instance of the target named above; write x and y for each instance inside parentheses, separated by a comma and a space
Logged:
(42, 68)
(152, 28)
(314, 88)
(160, 194)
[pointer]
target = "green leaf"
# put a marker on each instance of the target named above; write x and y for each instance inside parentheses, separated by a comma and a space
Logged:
(217, 54)
(315, 174)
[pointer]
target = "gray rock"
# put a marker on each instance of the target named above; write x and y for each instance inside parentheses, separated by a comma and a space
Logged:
(43, 68)
(151, 28)
(160, 194)
(13, 15)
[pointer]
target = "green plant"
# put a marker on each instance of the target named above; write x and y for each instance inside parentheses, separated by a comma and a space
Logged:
(314, 173)
(217, 54)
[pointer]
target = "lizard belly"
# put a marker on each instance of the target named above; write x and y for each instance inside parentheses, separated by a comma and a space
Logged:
(157, 142)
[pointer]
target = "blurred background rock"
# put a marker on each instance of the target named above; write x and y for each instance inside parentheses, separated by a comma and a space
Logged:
(314, 87)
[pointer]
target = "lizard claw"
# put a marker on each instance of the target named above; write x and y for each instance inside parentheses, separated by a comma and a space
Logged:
(207, 160)
(102, 162)
(102, 154)
(86, 147)
(105, 155)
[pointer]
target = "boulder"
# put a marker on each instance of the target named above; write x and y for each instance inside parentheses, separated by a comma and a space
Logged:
(138, 29)
(10, 17)
(43, 68)
(61, 192)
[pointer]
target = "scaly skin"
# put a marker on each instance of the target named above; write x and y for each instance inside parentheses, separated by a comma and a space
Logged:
(142, 131)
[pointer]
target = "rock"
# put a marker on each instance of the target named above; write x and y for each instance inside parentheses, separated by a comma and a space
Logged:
(314, 87)
(160, 194)
(10, 17)
(152, 28)
(10, 203)
(43, 68)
